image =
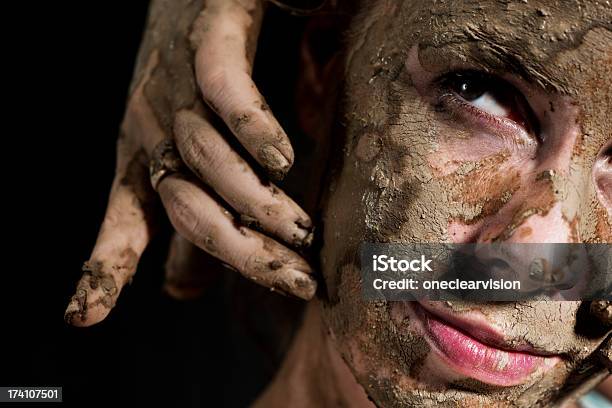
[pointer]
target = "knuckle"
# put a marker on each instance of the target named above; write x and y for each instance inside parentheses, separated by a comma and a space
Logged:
(240, 118)
(204, 153)
(182, 215)
(112, 218)
(183, 127)
(214, 81)
(248, 264)
(202, 150)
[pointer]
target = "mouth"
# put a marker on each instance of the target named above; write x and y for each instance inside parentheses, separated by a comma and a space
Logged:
(476, 350)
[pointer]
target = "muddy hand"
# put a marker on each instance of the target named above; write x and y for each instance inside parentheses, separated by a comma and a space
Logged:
(217, 42)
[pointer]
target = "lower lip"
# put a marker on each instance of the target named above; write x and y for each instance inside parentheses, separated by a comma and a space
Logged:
(469, 357)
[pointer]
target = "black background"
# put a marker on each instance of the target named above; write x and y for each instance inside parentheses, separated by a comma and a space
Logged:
(66, 71)
(70, 64)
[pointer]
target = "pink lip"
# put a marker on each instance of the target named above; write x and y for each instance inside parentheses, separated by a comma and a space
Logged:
(481, 354)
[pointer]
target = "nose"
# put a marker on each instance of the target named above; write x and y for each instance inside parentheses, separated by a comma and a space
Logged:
(547, 210)
(602, 179)
(537, 235)
(529, 237)
(537, 239)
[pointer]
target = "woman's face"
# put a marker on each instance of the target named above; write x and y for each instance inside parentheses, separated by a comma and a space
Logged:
(470, 122)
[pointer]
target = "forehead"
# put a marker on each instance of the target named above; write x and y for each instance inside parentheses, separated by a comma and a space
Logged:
(521, 36)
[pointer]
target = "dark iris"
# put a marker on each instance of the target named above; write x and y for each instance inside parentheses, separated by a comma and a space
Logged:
(471, 85)
(468, 85)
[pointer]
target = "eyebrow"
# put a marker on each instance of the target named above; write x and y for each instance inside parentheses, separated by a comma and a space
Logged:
(497, 56)
(492, 54)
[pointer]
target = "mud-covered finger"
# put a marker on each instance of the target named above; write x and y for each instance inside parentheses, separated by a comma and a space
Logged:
(224, 37)
(130, 215)
(196, 215)
(123, 236)
(213, 160)
(189, 270)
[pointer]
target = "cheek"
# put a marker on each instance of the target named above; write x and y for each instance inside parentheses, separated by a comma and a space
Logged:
(502, 192)
(484, 186)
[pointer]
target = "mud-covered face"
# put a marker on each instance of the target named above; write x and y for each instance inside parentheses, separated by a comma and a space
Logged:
(475, 122)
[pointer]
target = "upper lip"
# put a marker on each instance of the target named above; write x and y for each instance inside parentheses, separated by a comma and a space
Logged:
(475, 326)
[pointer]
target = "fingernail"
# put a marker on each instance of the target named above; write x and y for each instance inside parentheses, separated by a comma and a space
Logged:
(71, 310)
(274, 161)
(77, 306)
(302, 238)
(306, 287)
(307, 241)
(303, 286)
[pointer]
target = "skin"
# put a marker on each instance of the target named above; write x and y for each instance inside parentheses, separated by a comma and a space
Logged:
(215, 40)
(184, 279)
(401, 153)
(407, 176)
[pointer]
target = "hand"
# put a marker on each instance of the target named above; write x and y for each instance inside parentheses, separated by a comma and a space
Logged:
(216, 42)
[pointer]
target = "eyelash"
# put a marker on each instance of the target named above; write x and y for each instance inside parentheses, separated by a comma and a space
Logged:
(450, 101)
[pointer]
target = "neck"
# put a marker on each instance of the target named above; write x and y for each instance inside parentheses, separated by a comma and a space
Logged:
(313, 372)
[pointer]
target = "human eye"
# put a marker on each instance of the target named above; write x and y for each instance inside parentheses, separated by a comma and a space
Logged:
(488, 101)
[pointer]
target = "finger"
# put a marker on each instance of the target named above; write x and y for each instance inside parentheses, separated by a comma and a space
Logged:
(123, 236)
(224, 36)
(210, 157)
(602, 310)
(189, 270)
(199, 218)
(129, 220)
